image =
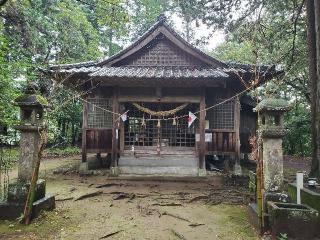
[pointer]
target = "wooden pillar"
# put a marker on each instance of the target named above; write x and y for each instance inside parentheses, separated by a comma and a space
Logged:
(84, 129)
(121, 137)
(115, 128)
(237, 107)
(202, 122)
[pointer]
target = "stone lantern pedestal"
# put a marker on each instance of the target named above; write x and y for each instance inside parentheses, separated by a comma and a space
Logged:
(31, 128)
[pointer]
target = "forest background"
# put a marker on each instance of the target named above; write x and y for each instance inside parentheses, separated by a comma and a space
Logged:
(36, 33)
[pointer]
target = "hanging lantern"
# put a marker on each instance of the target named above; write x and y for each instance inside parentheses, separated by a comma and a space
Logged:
(174, 122)
(158, 125)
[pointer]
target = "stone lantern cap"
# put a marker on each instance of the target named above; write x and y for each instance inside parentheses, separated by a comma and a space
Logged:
(272, 104)
(32, 100)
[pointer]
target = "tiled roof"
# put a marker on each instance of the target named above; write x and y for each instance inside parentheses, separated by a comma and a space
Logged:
(217, 69)
(159, 72)
(77, 70)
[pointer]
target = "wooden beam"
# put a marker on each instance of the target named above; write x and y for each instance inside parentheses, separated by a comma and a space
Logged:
(175, 99)
(115, 128)
(202, 120)
(153, 82)
(237, 126)
(84, 132)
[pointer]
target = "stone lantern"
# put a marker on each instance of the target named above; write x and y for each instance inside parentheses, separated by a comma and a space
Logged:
(270, 133)
(32, 128)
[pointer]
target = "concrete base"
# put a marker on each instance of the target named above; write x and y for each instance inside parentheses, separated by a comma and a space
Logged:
(18, 191)
(164, 165)
(14, 206)
(114, 171)
(160, 171)
(83, 167)
(202, 172)
(11, 210)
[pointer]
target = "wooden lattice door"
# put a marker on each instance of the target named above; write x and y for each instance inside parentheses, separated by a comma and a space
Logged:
(152, 136)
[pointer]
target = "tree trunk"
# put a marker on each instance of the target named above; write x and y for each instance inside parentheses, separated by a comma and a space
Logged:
(110, 48)
(63, 131)
(73, 134)
(317, 120)
(313, 83)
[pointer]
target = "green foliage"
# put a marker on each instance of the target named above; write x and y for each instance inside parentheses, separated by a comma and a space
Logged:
(235, 51)
(144, 14)
(297, 140)
(65, 120)
(34, 33)
(276, 36)
(7, 87)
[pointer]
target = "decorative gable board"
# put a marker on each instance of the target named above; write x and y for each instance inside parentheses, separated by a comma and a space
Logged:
(162, 52)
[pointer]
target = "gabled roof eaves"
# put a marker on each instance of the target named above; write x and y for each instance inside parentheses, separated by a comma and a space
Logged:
(73, 65)
(162, 27)
(99, 68)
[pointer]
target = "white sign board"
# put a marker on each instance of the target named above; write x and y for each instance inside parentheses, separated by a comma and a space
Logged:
(197, 137)
(207, 137)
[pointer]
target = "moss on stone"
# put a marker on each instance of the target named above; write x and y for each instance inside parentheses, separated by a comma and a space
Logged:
(272, 104)
(31, 99)
(312, 200)
(271, 131)
(42, 100)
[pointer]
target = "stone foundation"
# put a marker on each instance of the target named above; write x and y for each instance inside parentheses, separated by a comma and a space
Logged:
(17, 192)
(14, 206)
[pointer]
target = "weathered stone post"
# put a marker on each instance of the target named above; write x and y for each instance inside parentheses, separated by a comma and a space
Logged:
(270, 134)
(31, 128)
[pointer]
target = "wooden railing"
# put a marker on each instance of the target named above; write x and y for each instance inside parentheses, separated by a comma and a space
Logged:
(223, 141)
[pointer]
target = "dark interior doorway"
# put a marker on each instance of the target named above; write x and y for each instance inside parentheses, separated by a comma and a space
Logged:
(168, 134)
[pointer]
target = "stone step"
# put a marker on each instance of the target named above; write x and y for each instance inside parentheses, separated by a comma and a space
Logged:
(159, 171)
(161, 161)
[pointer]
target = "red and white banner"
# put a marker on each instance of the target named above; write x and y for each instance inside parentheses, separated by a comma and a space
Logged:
(191, 119)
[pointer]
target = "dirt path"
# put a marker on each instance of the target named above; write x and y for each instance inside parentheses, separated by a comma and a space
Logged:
(49, 164)
(136, 210)
(292, 164)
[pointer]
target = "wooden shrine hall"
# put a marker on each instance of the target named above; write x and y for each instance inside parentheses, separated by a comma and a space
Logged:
(137, 103)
